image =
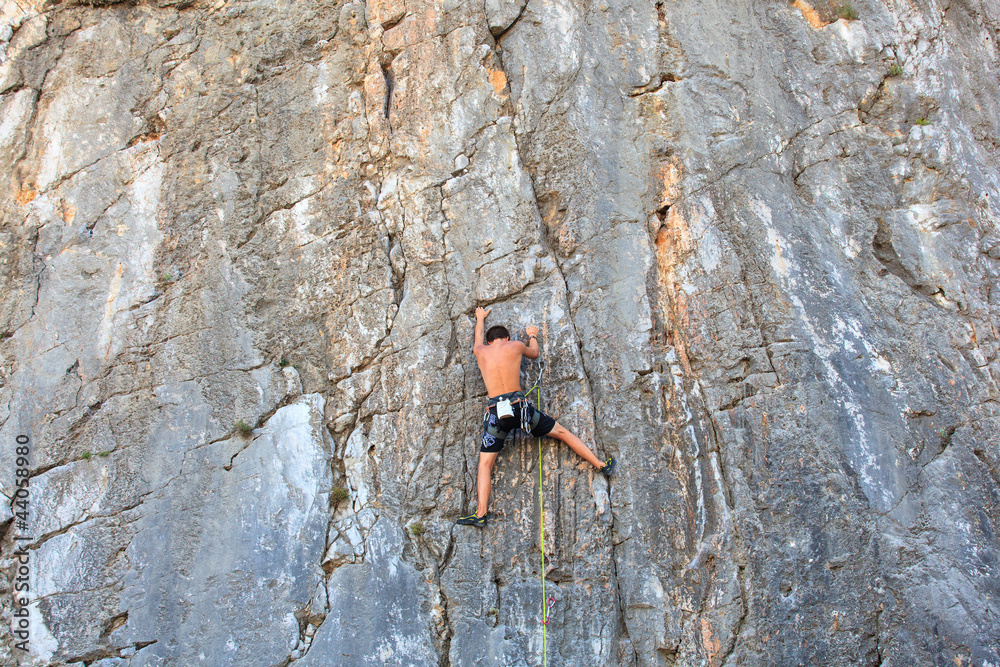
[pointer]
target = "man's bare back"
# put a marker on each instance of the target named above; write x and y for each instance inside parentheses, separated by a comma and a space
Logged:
(500, 360)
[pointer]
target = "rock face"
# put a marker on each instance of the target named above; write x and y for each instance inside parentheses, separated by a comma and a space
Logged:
(760, 239)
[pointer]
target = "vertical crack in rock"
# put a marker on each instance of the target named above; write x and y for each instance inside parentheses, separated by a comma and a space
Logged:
(715, 533)
(389, 83)
(717, 539)
(619, 597)
(876, 633)
(744, 599)
(530, 170)
(449, 629)
(36, 258)
(445, 226)
(543, 237)
(736, 543)
(376, 164)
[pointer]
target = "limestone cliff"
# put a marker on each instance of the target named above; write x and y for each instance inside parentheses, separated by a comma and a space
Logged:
(760, 239)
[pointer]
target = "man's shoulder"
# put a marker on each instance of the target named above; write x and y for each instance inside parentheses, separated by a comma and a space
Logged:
(511, 348)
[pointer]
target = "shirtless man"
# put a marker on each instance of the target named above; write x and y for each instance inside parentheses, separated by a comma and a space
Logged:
(499, 360)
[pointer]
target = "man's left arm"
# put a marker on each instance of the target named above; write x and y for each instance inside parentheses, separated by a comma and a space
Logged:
(480, 342)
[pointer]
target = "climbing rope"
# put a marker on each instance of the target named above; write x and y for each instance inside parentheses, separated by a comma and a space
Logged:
(546, 602)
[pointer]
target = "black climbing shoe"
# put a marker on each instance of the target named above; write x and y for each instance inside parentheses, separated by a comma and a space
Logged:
(473, 520)
(609, 466)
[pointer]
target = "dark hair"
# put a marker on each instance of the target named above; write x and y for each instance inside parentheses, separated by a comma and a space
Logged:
(496, 331)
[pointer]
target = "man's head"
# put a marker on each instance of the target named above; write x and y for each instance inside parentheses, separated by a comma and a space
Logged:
(497, 332)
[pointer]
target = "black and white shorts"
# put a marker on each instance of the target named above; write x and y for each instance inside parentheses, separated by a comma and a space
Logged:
(496, 430)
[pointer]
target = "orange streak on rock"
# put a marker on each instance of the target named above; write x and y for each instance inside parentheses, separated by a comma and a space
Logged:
(711, 645)
(26, 194)
(810, 13)
(67, 211)
(499, 82)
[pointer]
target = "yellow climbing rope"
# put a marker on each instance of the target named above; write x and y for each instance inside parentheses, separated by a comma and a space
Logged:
(541, 531)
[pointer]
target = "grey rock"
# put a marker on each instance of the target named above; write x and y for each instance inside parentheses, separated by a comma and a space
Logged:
(375, 610)
(763, 262)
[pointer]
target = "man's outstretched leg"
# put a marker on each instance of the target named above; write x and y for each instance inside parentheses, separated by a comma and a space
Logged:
(560, 432)
(484, 484)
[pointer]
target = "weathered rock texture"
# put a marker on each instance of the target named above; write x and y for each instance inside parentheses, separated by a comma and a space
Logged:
(760, 240)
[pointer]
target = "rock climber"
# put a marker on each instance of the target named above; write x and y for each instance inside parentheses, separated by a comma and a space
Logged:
(499, 360)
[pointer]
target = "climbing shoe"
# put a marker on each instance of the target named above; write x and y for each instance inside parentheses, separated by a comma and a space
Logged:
(609, 466)
(473, 520)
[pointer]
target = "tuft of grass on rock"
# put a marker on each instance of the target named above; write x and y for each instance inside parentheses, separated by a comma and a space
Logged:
(847, 12)
(86, 455)
(417, 529)
(284, 362)
(922, 121)
(896, 70)
(339, 494)
(244, 428)
(104, 453)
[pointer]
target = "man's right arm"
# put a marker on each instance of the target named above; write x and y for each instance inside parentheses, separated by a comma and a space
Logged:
(531, 349)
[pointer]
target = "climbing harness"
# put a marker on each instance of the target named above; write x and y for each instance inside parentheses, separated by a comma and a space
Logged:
(527, 423)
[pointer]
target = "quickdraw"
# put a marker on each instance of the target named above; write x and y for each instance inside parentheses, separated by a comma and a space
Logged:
(549, 603)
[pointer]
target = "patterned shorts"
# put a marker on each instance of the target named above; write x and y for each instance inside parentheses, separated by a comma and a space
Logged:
(524, 413)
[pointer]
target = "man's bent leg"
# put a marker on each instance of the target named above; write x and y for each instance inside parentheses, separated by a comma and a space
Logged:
(484, 481)
(560, 432)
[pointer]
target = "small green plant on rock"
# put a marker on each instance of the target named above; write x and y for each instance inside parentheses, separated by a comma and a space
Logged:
(339, 494)
(104, 453)
(896, 70)
(922, 121)
(847, 12)
(284, 362)
(417, 529)
(244, 428)
(86, 455)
